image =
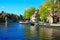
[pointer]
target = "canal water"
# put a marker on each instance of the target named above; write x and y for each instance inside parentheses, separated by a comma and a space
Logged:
(16, 31)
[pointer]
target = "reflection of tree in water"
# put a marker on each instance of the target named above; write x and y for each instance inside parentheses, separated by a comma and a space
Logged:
(32, 32)
(43, 35)
(49, 34)
(56, 34)
(27, 32)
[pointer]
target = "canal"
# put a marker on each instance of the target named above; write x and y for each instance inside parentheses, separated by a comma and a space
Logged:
(16, 31)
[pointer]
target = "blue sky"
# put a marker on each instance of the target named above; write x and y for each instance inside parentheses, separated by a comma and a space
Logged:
(18, 6)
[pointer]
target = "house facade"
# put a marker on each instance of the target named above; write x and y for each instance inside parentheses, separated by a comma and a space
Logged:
(33, 17)
(54, 15)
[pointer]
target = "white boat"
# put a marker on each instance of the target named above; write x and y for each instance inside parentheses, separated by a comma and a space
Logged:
(26, 22)
(20, 22)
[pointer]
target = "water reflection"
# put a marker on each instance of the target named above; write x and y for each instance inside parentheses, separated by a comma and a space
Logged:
(56, 34)
(41, 33)
(45, 33)
(28, 32)
(5, 24)
(31, 32)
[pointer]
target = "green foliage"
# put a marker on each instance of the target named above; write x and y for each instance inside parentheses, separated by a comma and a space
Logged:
(12, 17)
(44, 9)
(0, 16)
(43, 12)
(29, 12)
(26, 14)
(17, 17)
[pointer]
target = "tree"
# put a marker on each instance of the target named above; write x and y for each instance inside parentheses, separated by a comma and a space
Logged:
(17, 17)
(26, 14)
(3, 15)
(29, 12)
(44, 9)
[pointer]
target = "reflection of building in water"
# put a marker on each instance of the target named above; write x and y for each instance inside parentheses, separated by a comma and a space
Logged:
(45, 33)
(49, 34)
(27, 32)
(56, 34)
(33, 31)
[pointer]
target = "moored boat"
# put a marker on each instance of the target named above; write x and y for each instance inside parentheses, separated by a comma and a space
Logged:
(23, 22)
